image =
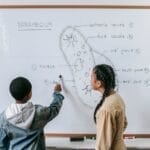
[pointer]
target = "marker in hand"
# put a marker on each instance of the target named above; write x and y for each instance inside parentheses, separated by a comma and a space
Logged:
(61, 79)
(58, 85)
(60, 76)
(62, 83)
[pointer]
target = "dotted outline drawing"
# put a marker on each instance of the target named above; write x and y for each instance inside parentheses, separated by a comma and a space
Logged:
(75, 47)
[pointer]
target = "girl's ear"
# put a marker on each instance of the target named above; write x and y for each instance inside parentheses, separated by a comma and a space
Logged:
(99, 84)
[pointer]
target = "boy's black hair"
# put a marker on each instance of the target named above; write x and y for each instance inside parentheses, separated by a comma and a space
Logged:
(20, 87)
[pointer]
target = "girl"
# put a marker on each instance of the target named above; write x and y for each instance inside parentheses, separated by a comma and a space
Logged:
(109, 114)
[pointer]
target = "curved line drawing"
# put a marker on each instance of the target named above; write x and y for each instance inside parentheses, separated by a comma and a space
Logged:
(79, 56)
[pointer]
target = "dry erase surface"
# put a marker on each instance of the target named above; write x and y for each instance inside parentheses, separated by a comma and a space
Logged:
(41, 44)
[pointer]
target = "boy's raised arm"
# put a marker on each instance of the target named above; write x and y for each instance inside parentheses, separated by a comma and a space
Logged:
(46, 114)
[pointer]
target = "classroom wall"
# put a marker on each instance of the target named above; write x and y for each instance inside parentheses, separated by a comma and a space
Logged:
(114, 2)
(122, 2)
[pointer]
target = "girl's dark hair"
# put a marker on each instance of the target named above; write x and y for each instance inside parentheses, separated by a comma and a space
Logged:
(106, 75)
(20, 87)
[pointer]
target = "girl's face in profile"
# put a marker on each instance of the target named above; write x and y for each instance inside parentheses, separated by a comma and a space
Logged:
(95, 84)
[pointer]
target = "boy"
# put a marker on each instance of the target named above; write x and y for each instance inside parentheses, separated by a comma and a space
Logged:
(22, 123)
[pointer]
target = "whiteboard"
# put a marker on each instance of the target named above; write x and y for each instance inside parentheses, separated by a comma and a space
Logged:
(41, 44)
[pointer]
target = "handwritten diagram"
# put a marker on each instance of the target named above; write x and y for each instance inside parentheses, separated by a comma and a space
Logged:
(80, 58)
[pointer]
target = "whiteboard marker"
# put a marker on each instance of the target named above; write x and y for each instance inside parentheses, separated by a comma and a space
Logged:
(62, 83)
(61, 79)
(60, 76)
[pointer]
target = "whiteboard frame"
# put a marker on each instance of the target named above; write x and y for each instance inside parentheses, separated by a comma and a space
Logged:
(79, 6)
(125, 136)
(76, 6)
